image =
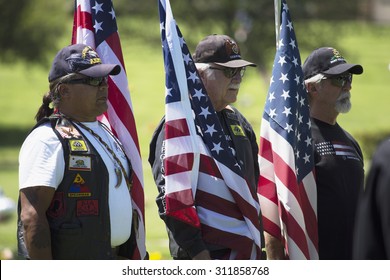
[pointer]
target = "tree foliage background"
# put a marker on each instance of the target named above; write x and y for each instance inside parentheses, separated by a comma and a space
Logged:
(30, 29)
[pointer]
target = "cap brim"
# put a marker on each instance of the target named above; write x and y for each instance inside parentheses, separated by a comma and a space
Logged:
(345, 67)
(101, 70)
(236, 63)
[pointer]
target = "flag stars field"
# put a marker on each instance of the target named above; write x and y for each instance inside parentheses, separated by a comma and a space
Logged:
(98, 7)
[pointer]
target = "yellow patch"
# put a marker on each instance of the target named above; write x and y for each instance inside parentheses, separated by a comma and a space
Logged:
(237, 130)
(79, 194)
(78, 146)
(95, 60)
(78, 180)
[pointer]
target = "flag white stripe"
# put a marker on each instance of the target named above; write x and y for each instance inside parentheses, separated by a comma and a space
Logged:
(214, 186)
(86, 36)
(279, 144)
(222, 222)
(178, 181)
(129, 146)
(177, 112)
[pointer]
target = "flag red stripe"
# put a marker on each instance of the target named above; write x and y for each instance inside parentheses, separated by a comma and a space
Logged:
(295, 232)
(271, 228)
(209, 167)
(176, 128)
(179, 200)
(267, 189)
(123, 111)
(310, 217)
(137, 194)
(83, 20)
(266, 149)
(219, 205)
(230, 240)
(187, 215)
(112, 41)
(178, 163)
(246, 208)
(180, 206)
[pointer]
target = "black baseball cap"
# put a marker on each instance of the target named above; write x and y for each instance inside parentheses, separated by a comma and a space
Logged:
(80, 58)
(328, 61)
(221, 50)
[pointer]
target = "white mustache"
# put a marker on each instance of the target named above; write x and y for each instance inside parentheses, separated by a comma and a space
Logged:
(234, 86)
(344, 95)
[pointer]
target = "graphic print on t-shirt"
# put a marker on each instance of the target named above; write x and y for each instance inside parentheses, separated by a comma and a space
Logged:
(336, 149)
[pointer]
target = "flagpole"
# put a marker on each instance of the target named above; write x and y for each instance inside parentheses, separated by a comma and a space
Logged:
(277, 21)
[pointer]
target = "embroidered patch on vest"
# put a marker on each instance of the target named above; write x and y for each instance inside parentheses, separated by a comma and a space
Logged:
(87, 208)
(66, 129)
(57, 206)
(82, 163)
(77, 145)
(232, 116)
(78, 188)
(237, 130)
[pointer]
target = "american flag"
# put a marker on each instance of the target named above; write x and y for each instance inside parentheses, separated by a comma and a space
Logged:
(95, 25)
(198, 161)
(287, 187)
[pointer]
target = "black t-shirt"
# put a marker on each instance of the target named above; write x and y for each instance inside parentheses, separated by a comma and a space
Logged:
(340, 178)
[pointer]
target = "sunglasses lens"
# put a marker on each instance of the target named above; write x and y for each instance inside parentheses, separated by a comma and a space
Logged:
(340, 81)
(231, 72)
(96, 81)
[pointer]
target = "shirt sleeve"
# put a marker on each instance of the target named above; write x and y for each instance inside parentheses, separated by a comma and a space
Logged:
(41, 159)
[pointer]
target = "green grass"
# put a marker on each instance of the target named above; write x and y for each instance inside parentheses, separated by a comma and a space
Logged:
(22, 87)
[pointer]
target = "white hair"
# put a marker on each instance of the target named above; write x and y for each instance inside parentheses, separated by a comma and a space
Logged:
(315, 79)
(205, 67)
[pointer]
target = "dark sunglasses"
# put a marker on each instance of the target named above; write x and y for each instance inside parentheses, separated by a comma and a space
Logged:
(230, 72)
(95, 82)
(340, 81)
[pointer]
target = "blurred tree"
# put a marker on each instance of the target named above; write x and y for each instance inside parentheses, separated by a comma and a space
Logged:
(252, 23)
(29, 29)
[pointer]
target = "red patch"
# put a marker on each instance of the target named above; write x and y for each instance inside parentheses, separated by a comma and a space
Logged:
(87, 208)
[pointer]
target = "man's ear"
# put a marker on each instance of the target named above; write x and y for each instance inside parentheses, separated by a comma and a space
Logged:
(63, 90)
(311, 87)
(202, 76)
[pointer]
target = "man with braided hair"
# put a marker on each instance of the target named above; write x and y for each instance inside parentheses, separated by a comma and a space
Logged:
(74, 177)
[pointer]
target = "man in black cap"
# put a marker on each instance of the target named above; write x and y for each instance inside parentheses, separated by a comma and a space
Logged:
(338, 158)
(221, 68)
(74, 177)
